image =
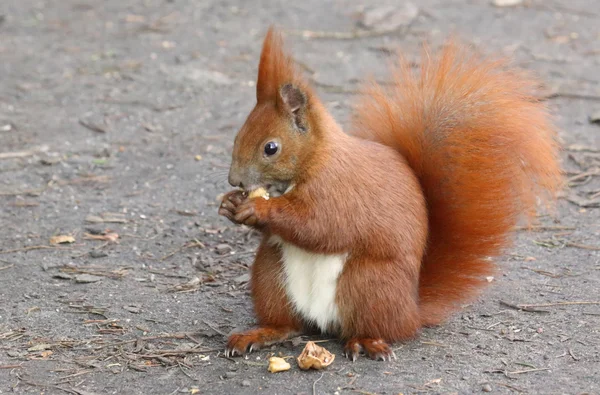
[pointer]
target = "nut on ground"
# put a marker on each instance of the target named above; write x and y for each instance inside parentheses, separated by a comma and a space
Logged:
(277, 364)
(314, 357)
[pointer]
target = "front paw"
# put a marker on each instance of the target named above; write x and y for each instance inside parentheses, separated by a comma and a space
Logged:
(252, 340)
(248, 214)
(230, 203)
(241, 344)
(239, 209)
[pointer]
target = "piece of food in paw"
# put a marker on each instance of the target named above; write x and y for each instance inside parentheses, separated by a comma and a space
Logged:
(315, 357)
(259, 192)
(277, 364)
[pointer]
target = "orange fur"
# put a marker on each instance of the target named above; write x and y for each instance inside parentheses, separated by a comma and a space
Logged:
(483, 149)
(276, 68)
(459, 153)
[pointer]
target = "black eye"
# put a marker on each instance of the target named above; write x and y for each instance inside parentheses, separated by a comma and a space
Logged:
(271, 148)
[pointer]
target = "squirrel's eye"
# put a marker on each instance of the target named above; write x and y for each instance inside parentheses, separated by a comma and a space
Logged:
(271, 148)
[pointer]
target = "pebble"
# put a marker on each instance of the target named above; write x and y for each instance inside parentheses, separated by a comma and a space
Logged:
(97, 254)
(486, 388)
(246, 383)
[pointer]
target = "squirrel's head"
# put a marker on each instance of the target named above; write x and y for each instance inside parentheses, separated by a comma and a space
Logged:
(273, 147)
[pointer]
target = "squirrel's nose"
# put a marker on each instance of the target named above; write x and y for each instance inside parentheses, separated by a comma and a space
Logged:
(235, 179)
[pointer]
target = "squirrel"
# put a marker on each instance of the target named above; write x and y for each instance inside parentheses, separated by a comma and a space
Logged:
(374, 234)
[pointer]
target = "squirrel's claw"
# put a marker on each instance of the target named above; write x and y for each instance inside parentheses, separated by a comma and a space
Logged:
(376, 349)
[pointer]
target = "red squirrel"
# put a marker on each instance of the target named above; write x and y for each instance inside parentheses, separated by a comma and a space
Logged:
(371, 235)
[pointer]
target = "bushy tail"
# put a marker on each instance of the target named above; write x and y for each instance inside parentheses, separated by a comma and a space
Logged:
(484, 150)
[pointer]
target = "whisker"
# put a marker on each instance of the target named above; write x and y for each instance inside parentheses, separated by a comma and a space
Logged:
(215, 181)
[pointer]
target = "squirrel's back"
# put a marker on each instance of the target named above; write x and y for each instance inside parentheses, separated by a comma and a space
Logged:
(484, 150)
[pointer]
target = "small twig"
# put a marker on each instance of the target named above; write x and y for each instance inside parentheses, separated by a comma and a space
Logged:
(11, 366)
(188, 336)
(194, 243)
(314, 386)
(573, 355)
(569, 95)
(30, 248)
(489, 327)
(42, 385)
(32, 192)
(593, 172)
(517, 389)
(352, 35)
(98, 247)
(527, 365)
(91, 126)
(7, 267)
(528, 371)
(350, 383)
(584, 246)
(211, 326)
(434, 344)
(18, 154)
(22, 154)
(181, 335)
(557, 304)
(107, 321)
(522, 307)
(543, 272)
(76, 374)
(184, 372)
(543, 228)
(480, 329)
(167, 353)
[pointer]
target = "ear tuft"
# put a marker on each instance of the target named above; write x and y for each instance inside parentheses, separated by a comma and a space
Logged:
(276, 66)
(294, 102)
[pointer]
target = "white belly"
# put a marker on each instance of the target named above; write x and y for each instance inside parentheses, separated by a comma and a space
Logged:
(310, 282)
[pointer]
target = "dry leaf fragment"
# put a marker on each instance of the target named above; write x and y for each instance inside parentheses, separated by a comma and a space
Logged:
(506, 3)
(277, 364)
(189, 286)
(110, 236)
(40, 347)
(62, 239)
(315, 357)
(117, 218)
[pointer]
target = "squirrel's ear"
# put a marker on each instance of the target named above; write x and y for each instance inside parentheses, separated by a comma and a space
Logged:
(294, 102)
